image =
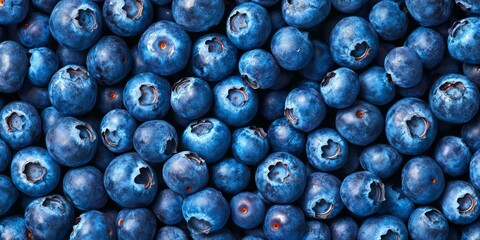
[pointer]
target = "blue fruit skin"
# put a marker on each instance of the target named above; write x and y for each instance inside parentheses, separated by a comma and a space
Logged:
(362, 193)
(353, 43)
(49, 116)
(8, 195)
(404, 66)
(454, 98)
(321, 198)
(282, 136)
(230, 176)
(76, 24)
(360, 124)
(321, 63)
(273, 104)
(248, 26)
(234, 102)
(45, 5)
(34, 31)
(72, 80)
(284, 222)
(191, 97)
(315, 230)
(388, 20)
(214, 57)
(71, 142)
(340, 88)
(102, 157)
(170, 232)
(185, 173)
(93, 225)
(13, 68)
(155, 148)
(5, 155)
(348, 6)
(352, 163)
(429, 45)
(117, 130)
(472, 231)
(463, 39)
(209, 138)
(197, 15)
(83, 187)
(416, 91)
(396, 203)
(127, 22)
(410, 126)
(383, 226)
(130, 181)
(247, 210)
(168, 207)
(249, 145)
(472, 72)
(43, 64)
(292, 48)
(426, 187)
(49, 217)
(281, 178)
(381, 159)
(222, 234)
(430, 13)
(452, 155)
(146, 96)
(13, 228)
(305, 108)
(68, 56)
(13, 12)
(375, 86)
(165, 48)
(138, 65)
(427, 223)
(469, 6)
(459, 202)
(475, 170)
(344, 228)
(109, 60)
(326, 149)
(471, 133)
(36, 96)
(109, 98)
(20, 125)
(304, 13)
(258, 69)
(206, 211)
(136, 223)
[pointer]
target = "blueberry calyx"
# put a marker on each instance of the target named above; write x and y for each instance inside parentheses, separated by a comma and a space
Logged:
(418, 126)
(202, 127)
(212, 44)
(278, 172)
(390, 234)
(433, 216)
(361, 51)
(15, 122)
(238, 21)
(170, 147)
(258, 131)
(288, 112)
(36, 169)
(464, 6)
(200, 225)
(108, 140)
(331, 150)
(322, 209)
(144, 177)
(85, 19)
(149, 95)
(250, 82)
(360, 113)
(195, 158)
(454, 90)
(377, 192)
(53, 202)
(180, 83)
(467, 203)
(128, 9)
(327, 78)
(86, 133)
(2, 3)
(456, 27)
(234, 98)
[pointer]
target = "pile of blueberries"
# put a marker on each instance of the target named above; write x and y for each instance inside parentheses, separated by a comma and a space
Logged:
(246, 119)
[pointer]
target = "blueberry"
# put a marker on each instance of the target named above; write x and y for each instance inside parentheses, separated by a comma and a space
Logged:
(427, 223)
(326, 149)
(153, 148)
(459, 202)
(191, 97)
(248, 26)
(249, 145)
(321, 198)
(381, 159)
(36, 96)
(136, 223)
(344, 228)
(170, 232)
(13, 11)
(376, 86)
(8, 195)
(471, 231)
(471, 133)
(284, 222)
(383, 227)
(474, 168)
(404, 67)
(304, 13)
(168, 207)
(362, 193)
(13, 228)
(430, 13)
(5, 155)
(117, 130)
(20, 125)
(321, 63)
(138, 65)
(426, 187)
(92, 225)
(305, 108)
(292, 48)
(45, 5)
(340, 88)
(14, 68)
(396, 203)
(83, 187)
(68, 56)
(429, 45)
(49, 116)
(127, 17)
(388, 20)
(222, 234)
(43, 64)
(469, 6)
(463, 40)
(452, 155)
(348, 6)
(417, 90)
(472, 72)
(34, 31)
(185, 173)
(272, 105)
(197, 15)
(230, 176)
(247, 210)
(282, 136)
(258, 69)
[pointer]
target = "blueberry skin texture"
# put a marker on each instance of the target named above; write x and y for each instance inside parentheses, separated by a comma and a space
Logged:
(43, 64)
(425, 187)
(396, 203)
(13, 67)
(93, 225)
(321, 198)
(71, 142)
(5, 155)
(34, 31)
(130, 181)
(281, 178)
(305, 14)
(9, 194)
(68, 56)
(471, 132)
(185, 173)
(463, 39)
(138, 65)
(348, 6)
(427, 223)
(127, 18)
(109, 98)
(13, 11)
(362, 193)
(381, 159)
(321, 63)
(344, 228)
(155, 148)
(376, 86)
(284, 222)
(165, 48)
(305, 108)
(76, 24)
(170, 232)
(117, 130)
(459, 202)
(109, 60)
(191, 97)
(83, 187)
(45, 5)
(20, 125)
(214, 57)
(472, 72)
(146, 96)
(429, 45)
(383, 226)
(222, 234)
(49, 217)
(197, 15)
(13, 228)
(247, 210)
(452, 155)
(230, 176)
(469, 6)
(209, 138)
(258, 69)
(137, 223)
(291, 48)
(471, 232)
(388, 20)
(404, 66)
(454, 98)
(248, 26)
(234, 102)
(315, 230)
(49, 116)
(272, 105)
(249, 145)
(36, 96)
(282, 136)
(353, 42)
(340, 88)
(474, 168)
(72, 80)
(326, 149)
(430, 13)
(167, 207)
(206, 211)
(410, 126)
